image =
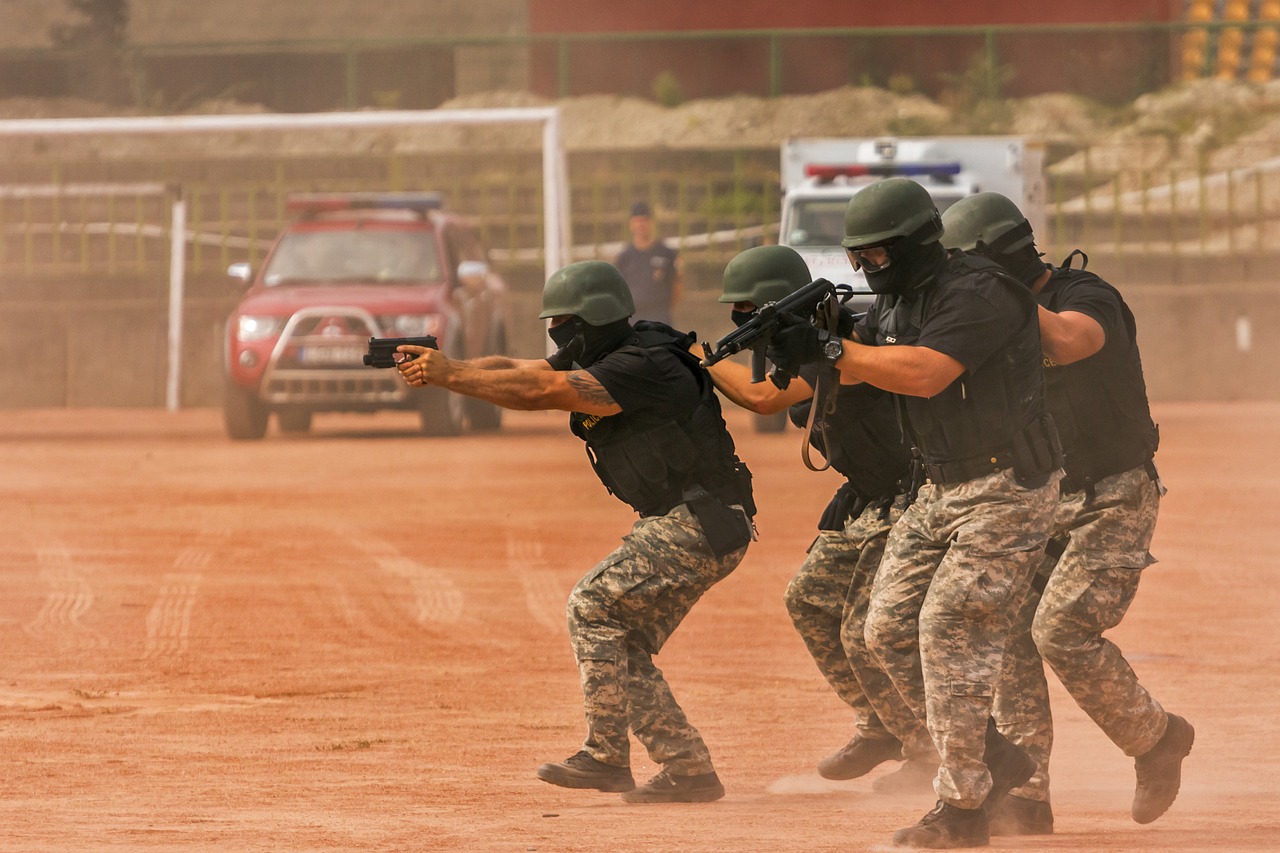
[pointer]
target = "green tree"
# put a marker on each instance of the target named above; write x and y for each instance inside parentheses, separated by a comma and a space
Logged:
(98, 39)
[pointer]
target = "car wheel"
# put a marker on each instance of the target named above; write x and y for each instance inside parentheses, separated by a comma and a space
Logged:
(243, 414)
(440, 412)
(772, 423)
(294, 420)
(483, 416)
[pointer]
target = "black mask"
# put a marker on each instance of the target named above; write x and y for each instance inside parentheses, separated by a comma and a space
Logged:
(740, 318)
(910, 267)
(582, 344)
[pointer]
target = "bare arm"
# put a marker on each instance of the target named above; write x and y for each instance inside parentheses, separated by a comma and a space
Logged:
(1070, 336)
(764, 398)
(525, 388)
(912, 370)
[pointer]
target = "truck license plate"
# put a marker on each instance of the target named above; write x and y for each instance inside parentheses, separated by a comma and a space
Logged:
(331, 356)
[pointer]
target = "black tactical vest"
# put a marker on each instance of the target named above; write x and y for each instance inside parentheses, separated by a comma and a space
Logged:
(867, 444)
(654, 467)
(985, 421)
(1099, 404)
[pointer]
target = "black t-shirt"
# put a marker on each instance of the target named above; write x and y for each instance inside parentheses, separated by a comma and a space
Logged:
(971, 319)
(1089, 296)
(649, 383)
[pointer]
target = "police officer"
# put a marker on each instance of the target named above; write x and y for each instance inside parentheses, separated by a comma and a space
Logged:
(655, 436)
(1102, 529)
(827, 599)
(956, 339)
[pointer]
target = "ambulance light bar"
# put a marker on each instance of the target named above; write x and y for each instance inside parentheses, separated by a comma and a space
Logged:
(830, 171)
(314, 203)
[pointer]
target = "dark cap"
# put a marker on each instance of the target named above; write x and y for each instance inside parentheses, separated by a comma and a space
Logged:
(641, 208)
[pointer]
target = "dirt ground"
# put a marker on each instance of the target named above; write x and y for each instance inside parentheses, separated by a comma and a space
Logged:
(354, 640)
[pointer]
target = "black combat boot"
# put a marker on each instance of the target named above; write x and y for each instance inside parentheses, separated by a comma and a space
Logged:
(1160, 771)
(582, 771)
(1020, 816)
(669, 788)
(1009, 764)
(946, 828)
(858, 757)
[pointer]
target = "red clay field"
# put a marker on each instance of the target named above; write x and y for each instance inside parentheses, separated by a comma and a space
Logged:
(355, 641)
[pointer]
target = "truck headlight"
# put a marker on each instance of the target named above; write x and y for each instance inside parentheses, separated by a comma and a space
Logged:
(410, 325)
(251, 328)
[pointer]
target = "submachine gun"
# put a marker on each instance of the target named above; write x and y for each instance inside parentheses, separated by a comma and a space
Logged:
(817, 302)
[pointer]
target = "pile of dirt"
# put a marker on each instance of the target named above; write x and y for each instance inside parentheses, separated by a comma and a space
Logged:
(1207, 124)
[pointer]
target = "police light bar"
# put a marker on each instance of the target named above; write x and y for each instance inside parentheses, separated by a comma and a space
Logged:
(314, 203)
(830, 171)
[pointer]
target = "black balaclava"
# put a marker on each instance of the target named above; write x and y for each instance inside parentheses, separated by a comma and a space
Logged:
(740, 318)
(910, 265)
(583, 344)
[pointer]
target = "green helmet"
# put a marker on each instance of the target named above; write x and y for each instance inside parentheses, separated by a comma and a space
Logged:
(764, 274)
(889, 209)
(594, 291)
(985, 218)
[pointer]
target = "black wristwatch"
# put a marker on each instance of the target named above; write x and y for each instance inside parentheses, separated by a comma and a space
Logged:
(832, 350)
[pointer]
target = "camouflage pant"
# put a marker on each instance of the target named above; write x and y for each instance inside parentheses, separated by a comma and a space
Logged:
(620, 615)
(956, 565)
(827, 600)
(1087, 591)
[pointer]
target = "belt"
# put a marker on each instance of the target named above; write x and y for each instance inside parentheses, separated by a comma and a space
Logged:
(963, 470)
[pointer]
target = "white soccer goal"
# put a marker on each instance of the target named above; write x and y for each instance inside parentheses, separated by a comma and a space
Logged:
(555, 208)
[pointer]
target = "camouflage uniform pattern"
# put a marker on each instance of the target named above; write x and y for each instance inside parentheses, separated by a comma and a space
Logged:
(832, 589)
(1088, 591)
(620, 615)
(956, 566)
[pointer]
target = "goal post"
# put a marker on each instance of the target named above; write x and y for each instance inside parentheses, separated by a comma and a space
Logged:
(555, 193)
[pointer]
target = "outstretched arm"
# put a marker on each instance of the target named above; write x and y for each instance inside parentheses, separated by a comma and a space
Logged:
(525, 386)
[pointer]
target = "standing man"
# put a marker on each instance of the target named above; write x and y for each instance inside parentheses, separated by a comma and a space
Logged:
(1102, 529)
(957, 340)
(655, 436)
(651, 268)
(827, 599)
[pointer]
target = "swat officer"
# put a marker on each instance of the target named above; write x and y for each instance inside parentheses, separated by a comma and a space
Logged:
(827, 599)
(1102, 528)
(655, 436)
(956, 339)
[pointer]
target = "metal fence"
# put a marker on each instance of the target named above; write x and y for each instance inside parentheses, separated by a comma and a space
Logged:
(711, 204)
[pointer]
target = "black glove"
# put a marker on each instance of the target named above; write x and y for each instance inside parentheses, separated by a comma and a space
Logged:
(796, 342)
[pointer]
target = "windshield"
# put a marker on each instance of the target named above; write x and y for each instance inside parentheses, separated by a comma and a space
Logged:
(820, 221)
(326, 256)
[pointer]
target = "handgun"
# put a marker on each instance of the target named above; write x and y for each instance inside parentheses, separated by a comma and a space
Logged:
(382, 351)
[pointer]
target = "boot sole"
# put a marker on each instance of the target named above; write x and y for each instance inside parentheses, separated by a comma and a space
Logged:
(564, 780)
(710, 795)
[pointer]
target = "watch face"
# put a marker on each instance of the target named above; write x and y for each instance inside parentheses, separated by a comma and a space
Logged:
(833, 350)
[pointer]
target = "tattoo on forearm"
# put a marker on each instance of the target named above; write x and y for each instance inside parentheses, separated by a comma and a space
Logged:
(589, 388)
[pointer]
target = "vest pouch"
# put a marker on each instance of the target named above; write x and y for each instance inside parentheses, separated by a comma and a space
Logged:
(646, 469)
(725, 528)
(1036, 453)
(746, 495)
(840, 508)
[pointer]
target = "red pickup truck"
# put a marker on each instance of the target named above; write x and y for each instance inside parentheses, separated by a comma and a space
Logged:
(348, 267)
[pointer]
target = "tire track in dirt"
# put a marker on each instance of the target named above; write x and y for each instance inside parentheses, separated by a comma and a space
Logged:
(69, 599)
(544, 592)
(168, 622)
(436, 598)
